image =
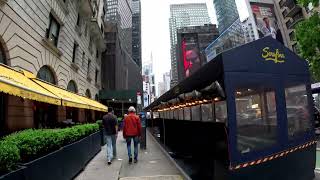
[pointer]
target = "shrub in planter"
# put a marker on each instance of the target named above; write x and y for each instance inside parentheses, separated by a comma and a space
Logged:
(9, 156)
(99, 122)
(36, 143)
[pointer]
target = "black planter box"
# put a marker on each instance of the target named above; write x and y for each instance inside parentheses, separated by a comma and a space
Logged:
(14, 175)
(48, 166)
(96, 144)
(103, 141)
(64, 163)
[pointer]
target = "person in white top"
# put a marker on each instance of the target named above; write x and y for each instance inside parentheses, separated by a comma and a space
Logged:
(267, 29)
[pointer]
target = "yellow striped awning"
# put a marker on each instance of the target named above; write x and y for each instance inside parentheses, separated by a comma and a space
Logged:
(69, 99)
(16, 83)
(94, 105)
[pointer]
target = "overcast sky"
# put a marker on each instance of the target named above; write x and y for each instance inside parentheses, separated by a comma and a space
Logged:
(156, 35)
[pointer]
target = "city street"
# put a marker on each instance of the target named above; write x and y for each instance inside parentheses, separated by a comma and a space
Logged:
(226, 89)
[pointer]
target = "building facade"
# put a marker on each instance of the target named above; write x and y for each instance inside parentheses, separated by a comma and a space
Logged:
(120, 72)
(184, 15)
(136, 32)
(58, 41)
(226, 12)
(191, 44)
(248, 30)
(290, 14)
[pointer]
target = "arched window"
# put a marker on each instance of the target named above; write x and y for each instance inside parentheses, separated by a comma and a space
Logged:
(88, 94)
(46, 74)
(2, 55)
(72, 86)
(96, 97)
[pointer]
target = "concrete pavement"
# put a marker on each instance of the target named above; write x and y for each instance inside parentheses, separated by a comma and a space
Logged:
(152, 165)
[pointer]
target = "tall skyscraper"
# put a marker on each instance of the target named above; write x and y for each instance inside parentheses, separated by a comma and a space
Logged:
(230, 28)
(184, 15)
(136, 32)
(149, 91)
(121, 76)
(226, 12)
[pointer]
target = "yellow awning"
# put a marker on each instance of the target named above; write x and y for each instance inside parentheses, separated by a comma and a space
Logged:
(15, 83)
(94, 105)
(68, 98)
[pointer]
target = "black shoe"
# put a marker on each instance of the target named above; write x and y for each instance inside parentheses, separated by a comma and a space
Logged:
(130, 160)
(135, 160)
(109, 163)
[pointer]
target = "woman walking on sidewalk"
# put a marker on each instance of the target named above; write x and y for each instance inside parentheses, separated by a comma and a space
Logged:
(132, 131)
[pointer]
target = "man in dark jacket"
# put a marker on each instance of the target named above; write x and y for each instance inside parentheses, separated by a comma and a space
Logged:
(132, 131)
(110, 126)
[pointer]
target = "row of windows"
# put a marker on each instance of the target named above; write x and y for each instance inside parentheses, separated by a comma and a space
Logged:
(216, 112)
(46, 74)
(256, 115)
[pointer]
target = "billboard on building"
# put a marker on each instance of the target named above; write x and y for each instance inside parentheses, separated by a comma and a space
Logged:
(190, 56)
(266, 23)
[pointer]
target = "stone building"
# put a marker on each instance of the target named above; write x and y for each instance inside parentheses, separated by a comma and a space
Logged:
(58, 41)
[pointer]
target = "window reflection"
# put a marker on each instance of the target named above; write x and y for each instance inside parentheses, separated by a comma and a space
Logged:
(256, 119)
(298, 114)
(196, 116)
(187, 113)
(221, 111)
(207, 112)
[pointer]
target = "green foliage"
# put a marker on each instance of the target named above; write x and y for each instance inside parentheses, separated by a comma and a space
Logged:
(307, 33)
(305, 3)
(9, 156)
(99, 122)
(30, 144)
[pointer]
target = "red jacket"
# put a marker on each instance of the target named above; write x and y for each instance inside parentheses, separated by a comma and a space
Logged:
(132, 126)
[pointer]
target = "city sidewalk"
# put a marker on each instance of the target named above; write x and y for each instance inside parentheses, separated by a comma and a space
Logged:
(153, 164)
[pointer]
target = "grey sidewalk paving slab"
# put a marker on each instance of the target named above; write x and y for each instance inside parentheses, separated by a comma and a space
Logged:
(152, 164)
(166, 177)
(98, 168)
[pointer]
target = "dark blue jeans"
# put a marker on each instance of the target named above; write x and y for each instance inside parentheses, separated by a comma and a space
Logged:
(135, 142)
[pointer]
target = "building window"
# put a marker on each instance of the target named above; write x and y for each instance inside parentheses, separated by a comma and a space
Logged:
(96, 97)
(90, 46)
(75, 50)
(2, 55)
(72, 87)
(83, 58)
(220, 111)
(53, 31)
(97, 54)
(88, 94)
(46, 74)
(256, 119)
(89, 64)
(96, 76)
(292, 36)
(195, 112)
(78, 20)
(86, 30)
(298, 114)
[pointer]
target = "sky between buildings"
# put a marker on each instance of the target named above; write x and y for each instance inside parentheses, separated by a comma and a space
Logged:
(156, 35)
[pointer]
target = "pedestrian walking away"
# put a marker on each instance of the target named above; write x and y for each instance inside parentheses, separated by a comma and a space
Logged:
(132, 132)
(110, 126)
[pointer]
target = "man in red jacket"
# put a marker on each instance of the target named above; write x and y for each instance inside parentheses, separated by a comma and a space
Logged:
(132, 131)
